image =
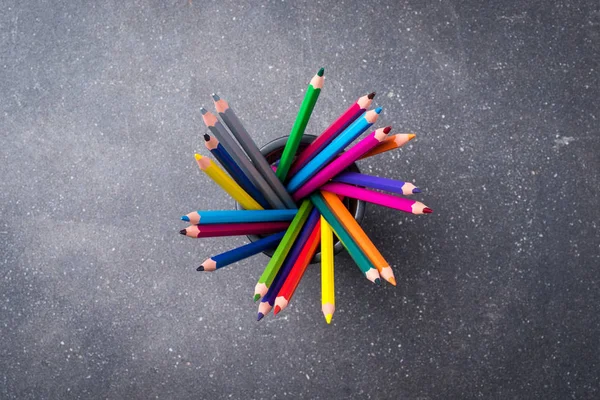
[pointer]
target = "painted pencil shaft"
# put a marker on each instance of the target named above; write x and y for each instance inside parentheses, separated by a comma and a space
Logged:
(376, 182)
(241, 134)
(251, 228)
(206, 217)
(360, 237)
(240, 253)
(327, 266)
(392, 142)
(386, 200)
(306, 108)
(342, 162)
(343, 121)
(227, 183)
(217, 129)
(290, 260)
(359, 257)
(282, 250)
(333, 149)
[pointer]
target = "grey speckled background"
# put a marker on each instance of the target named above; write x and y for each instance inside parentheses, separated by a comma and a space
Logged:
(498, 291)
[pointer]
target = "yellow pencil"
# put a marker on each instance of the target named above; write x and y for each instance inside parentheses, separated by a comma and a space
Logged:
(347, 220)
(227, 183)
(327, 285)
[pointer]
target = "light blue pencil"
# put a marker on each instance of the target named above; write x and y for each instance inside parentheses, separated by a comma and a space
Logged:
(239, 253)
(204, 217)
(333, 149)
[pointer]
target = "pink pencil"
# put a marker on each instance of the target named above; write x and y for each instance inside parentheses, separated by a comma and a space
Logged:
(249, 228)
(342, 162)
(338, 126)
(386, 200)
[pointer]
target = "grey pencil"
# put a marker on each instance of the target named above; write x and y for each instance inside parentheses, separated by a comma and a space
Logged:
(241, 134)
(235, 151)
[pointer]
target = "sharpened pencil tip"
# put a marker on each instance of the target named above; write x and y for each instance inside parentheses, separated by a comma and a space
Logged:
(183, 231)
(321, 72)
(392, 280)
(416, 190)
(387, 129)
(198, 156)
(200, 268)
(427, 210)
(185, 218)
(260, 316)
(328, 318)
(276, 310)
(215, 97)
(411, 136)
(206, 137)
(378, 282)
(371, 95)
(378, 110)
(203, 110)
(256, 297)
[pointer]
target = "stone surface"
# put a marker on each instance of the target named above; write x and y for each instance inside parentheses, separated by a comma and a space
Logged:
(497, 292)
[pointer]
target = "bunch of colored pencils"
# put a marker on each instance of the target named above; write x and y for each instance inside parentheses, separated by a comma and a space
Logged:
(296, 204)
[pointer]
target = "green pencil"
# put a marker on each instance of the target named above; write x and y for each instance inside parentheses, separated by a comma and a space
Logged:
(310, 99)
(359, 257)
(282, 250)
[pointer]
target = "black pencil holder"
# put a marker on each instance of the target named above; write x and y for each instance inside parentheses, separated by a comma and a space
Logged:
(272, 152)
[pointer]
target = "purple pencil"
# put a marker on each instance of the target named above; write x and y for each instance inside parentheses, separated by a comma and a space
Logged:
(375, 182)
(342, 162)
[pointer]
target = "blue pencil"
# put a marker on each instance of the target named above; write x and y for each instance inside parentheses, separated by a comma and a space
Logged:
(225, 159)
(269, 299)
(333, 149)
(375, 182)
(239, 253)
(204, 217)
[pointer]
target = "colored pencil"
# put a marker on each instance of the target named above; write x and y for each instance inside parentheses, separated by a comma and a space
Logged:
(356, 110)
(227, 183)
(234, 170)
(265, 280)
(359, 236)
(390, 143)
(293, 279)
(240, 253)
(207, 217)
(250, 228)
(260, 162)
(306, 108)
(266, 303)
(342, 162)
(386, 200)
(357, 254)
(327, 283)
(376, 182)
(236, 152)
(333, 149)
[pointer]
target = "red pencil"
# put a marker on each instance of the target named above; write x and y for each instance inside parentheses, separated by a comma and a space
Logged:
(289, 286)
(338, 126)
(248, 228)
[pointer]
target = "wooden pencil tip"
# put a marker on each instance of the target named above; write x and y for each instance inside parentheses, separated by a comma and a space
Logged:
(411, 136)
(387, 129)
(416, 190)
(200, 268)
(260, 316)
(392, 280)
(378, 110)
(206, 137)
(321, 72)
(328, 318)
(276, 310)
(198, 156)
(378, 282)
(203, 110)
(256, 297)
(427, 210)
(371, 95)
(215, 97)
(185, 218)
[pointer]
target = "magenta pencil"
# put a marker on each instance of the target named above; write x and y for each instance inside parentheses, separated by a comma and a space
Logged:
(354, 111)
(342, 162)
(250, 228)
(386, 200)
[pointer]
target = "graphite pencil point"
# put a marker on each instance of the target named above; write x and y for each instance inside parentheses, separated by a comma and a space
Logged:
(215, 97)
(182, 231)
(371, 95)
(200, 268)
(203, 110)
(321, 72)
(206, 137)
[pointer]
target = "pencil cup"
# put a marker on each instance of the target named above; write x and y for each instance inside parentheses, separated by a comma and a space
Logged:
(272, 152)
